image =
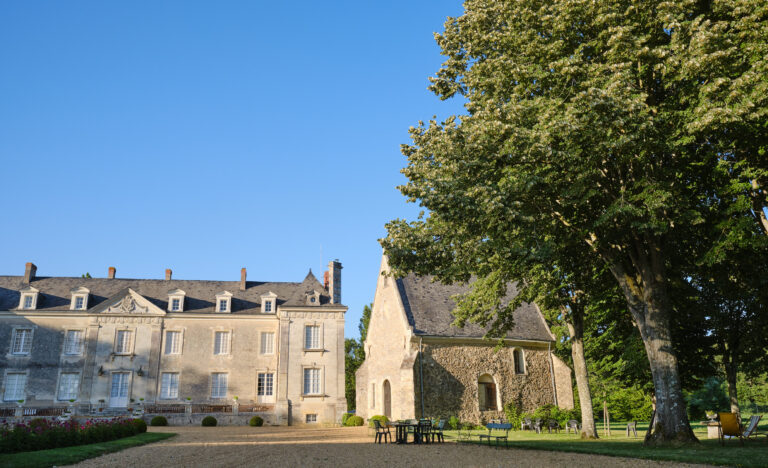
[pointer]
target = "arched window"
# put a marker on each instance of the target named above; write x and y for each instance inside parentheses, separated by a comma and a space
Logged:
(486, 393)
(519, 361)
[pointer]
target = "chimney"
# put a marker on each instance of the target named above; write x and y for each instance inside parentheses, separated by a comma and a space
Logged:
(112, 272)
(168, 273)
(242, 279)
(325, 280)
(29, 272)
(334, 286)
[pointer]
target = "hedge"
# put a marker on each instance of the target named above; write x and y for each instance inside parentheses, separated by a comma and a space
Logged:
(379, 417)
(354, 421)
(43, 434)
(158, 421)
(209, 421)
(256, 421)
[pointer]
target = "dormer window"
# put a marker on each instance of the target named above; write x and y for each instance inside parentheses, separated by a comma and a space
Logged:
(313, 297)
(224, 302)
(28, 300)
(269, 303)
(79, 298)
(176, 300)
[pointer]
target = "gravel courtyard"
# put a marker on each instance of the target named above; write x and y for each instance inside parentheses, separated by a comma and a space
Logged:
(344, 446)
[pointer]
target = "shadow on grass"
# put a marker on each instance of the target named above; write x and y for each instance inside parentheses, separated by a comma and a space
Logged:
(70, 455)
(754, 453)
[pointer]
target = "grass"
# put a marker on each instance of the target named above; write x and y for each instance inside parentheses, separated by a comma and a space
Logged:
(70, 455)
(754, 453)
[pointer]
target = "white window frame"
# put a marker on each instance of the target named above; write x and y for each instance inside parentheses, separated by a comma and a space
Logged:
(319, 345)
(66, 351)
(169, 395)
(14, 398)
(179, 344)
(310, 418)
(218, 395)
(271, 299)
(79, 293)
(320, 388)
(228, 350)
(269, 384)
(179, 295)
(26, 345)
(68, 397)
(28, 292)
(131, 343)
(263, 350)
(225, 297)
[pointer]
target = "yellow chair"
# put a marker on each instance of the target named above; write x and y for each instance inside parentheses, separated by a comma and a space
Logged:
(730, 425)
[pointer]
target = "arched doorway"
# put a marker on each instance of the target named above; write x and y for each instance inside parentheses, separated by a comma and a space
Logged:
(387, 394)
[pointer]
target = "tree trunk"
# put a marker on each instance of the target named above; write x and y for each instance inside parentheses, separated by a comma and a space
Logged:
(731, 368)
(647, 300)
(575, 324)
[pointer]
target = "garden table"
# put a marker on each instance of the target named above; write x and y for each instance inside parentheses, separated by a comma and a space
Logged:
(401, 432)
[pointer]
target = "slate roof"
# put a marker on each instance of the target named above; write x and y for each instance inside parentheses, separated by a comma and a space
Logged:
(429, 308)
(200, 295)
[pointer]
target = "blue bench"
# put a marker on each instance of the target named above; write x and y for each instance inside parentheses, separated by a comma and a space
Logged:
(498, 427)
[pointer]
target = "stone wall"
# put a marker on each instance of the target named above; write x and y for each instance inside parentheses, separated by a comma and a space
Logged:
(563, 383)
(451, 375)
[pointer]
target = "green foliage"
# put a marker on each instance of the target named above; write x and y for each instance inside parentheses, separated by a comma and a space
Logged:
(43, 434)
(514, 414)
(624, 404)
(379, 417)
(453, 423)
(140, 425)
(256, 421)
(209, 421)
(365, 320)
(354, 421)
(711, 396)
(354, 357)
(549, 411)
(158, 421)
(344, 418)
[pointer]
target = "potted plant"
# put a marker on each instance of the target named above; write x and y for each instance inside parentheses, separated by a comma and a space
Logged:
(711, 415)
(20, 402)
(101, 405)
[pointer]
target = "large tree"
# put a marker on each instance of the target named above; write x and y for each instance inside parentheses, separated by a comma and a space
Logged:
(578, 126)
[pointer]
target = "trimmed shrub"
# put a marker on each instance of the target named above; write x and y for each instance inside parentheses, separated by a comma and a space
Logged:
(354, 421)
(379, 417)
(344, 418)
(42, 434)
(255, 421)
(140, 425)
(514, 415)
(158, 421)
(209, 421)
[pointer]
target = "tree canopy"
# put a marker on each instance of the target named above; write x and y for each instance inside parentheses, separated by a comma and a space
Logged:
(619, 129)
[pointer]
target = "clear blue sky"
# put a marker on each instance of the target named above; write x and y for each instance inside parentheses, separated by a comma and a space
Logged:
(210, 136)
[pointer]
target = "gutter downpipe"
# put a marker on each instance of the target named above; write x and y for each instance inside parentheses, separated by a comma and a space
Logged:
(552, 371)
(421, 376)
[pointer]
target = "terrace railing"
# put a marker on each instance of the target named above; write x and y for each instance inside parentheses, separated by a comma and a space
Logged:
(164, 409)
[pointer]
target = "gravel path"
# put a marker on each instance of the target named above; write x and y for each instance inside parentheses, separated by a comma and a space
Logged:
(332, 447)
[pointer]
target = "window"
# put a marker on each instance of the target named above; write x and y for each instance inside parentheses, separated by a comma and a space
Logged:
(224, 302)
(79, 298)
(264, 384)
(22, 341)
(123, 341)
(268, 303)
(73, 342)
(176, 300)
(311, 337)
(311, 418)
(172, 342)
(29, 302)
(79, 303)
(519, 361)
(14, 386)
(218, 385)
(311, 381)
(221, 342)
(486, 393)
(268, 307)
(267, 343)
(169, 386)
(69, 384)
(28, 298)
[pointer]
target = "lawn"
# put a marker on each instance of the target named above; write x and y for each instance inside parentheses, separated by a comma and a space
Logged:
(70, 455)
(754, 453)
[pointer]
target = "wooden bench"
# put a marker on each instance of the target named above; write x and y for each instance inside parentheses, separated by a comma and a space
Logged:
(499, 427)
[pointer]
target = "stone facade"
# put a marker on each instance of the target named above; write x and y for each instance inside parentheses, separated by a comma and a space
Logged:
(253, 339)
(409, 347)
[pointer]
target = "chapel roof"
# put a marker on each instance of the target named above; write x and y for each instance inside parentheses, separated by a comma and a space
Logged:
(200, 295)
(429, 306)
